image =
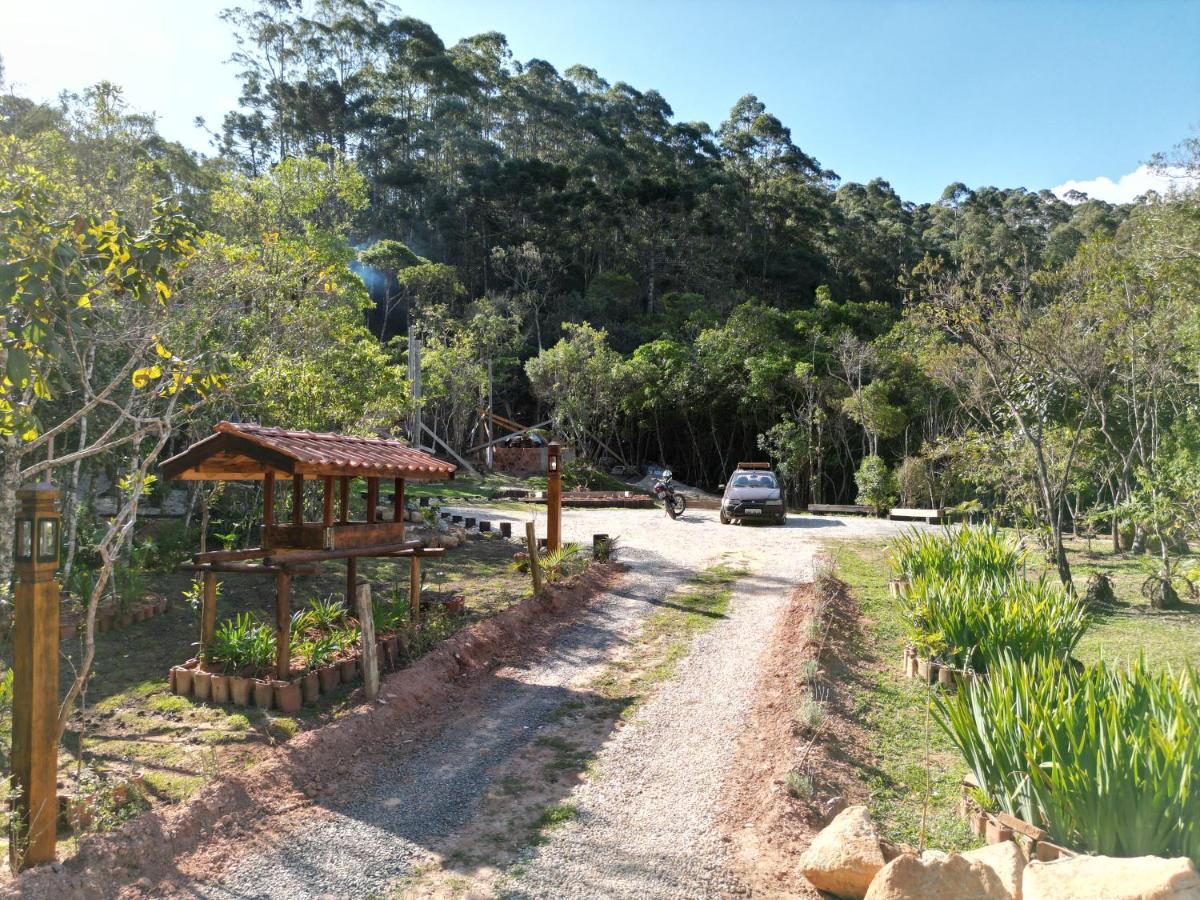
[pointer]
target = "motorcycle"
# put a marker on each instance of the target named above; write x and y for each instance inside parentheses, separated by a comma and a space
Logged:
(675, 503)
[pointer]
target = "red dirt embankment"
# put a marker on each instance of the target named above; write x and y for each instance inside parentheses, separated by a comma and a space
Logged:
(767, 827)
(238, 807)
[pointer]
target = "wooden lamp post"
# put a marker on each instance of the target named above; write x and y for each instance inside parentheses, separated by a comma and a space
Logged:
(553, 496)
(35, 678)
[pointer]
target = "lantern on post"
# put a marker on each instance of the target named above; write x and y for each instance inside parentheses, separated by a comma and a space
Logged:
(35, 678)
(553, 496)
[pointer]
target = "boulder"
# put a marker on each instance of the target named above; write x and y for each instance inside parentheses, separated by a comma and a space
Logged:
(936, 877)
(1006, 860)
(1109, 878)
(845, 856)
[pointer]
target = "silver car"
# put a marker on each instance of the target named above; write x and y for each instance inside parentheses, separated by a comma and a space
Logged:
(753, 493)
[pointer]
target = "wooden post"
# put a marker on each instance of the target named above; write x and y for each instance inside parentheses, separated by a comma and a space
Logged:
(414, 589)
(297, 499)
(535, 561)
(208, 610)
(344, 487)
(398, 505)
(283, 624)
(370, 651)
(372, 500)
(327, 509)
(35, 679)
(269, 498)
(553, 496)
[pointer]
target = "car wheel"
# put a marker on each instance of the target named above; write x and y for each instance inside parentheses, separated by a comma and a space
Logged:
(725, 520)
(781, 521)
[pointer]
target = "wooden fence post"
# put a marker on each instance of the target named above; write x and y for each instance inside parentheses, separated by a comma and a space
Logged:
(535, 560)
(283, 624)
(414, 589)
(370, 650)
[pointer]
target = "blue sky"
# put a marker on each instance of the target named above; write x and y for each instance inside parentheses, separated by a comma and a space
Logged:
(1008, 93)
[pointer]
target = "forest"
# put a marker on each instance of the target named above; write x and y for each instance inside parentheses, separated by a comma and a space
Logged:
(668, 292)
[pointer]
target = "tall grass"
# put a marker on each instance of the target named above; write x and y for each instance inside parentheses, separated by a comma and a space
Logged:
(969, 620)
(967, 601)
(1106, 760)
(970, 551)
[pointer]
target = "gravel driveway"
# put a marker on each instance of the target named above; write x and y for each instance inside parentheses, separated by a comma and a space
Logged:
(645, 823)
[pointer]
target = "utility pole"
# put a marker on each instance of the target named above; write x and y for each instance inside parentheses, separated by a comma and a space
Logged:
(414, 379)
(35, 679)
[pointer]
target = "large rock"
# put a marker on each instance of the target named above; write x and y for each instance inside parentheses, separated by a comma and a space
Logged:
(1109, 878)
(937, 877)
(845, 856)
(1006, 860)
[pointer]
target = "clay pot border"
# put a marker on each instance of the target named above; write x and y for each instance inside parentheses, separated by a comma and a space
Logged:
(109, 617)
(996, 828)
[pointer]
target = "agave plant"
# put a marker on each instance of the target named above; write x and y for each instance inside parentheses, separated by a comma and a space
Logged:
(320, 651)
(231, 643)
(970, 551)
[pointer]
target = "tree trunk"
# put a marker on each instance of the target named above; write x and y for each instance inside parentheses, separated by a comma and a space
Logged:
(10, 480)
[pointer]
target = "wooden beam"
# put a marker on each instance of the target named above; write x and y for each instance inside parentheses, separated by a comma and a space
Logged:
(437, 440)
(370, 650)
(208, 610)
(493, 441)
(297, 499)
(291, 557)
(283, 624)
(398, 502)
(327, 510)
(269, 499)
(227, 555)
(231, 567)
(372, 500)
(344, 488)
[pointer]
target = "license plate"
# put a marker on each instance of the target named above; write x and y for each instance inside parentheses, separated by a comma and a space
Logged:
(753, 512)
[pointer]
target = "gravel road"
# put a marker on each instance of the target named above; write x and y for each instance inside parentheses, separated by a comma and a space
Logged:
(645, 824)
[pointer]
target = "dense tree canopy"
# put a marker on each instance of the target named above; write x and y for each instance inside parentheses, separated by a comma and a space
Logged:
(665, 291)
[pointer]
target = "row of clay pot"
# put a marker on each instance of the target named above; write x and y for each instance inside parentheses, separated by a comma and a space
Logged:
(931, 671)
(996, 828)
(108, 616)
(189, 680)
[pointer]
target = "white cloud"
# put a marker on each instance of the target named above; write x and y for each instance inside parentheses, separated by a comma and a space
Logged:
(1129, 187)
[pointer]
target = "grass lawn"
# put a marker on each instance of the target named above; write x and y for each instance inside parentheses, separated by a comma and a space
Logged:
(914, 758)
(1168, 638)
(894, 708)
(132, 722)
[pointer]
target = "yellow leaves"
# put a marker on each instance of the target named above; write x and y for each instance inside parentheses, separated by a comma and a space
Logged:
(145, 375)
(161, 350)
(164, 291)
(29, 435)
(85, 302)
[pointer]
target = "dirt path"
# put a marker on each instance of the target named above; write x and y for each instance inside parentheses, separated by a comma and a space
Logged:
(643, 822)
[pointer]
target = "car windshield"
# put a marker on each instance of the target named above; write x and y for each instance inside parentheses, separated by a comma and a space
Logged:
(755, 480)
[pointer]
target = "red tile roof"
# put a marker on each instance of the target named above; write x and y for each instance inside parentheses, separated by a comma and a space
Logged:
(243, 450)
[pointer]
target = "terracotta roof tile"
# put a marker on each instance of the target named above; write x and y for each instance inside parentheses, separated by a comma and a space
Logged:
(313, 452)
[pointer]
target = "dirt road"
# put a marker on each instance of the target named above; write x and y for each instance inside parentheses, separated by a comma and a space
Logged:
(642, 823)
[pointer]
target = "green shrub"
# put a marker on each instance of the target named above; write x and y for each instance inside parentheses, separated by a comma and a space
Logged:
(976, 551)
(876, 484)
(969, 622)
(1105, 760)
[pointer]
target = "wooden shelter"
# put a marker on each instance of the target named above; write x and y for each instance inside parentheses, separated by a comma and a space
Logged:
(242, 452)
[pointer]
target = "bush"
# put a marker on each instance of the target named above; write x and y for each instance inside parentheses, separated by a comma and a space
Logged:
(973, 551)
(971, 622)
(876, 484)
(1105, 760)
(967, 602)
